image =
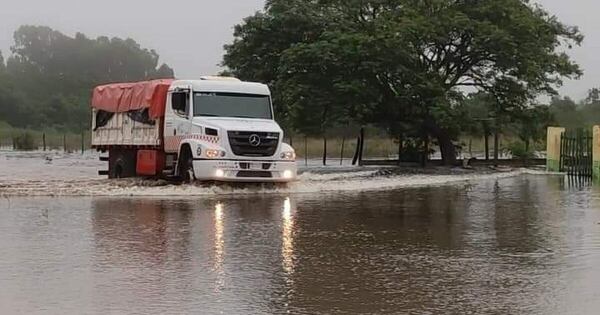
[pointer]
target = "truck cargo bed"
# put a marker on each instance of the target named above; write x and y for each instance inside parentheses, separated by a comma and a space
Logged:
(121, 130)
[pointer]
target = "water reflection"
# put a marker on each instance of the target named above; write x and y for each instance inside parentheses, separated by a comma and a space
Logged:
(219, 247)
(520, 245)
(287, 247)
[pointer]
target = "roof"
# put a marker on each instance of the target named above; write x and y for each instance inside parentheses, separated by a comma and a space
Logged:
(219, 78)
(125, 97)
(225, 86)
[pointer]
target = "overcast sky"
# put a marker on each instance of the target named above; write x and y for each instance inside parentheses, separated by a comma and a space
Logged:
(189, 34)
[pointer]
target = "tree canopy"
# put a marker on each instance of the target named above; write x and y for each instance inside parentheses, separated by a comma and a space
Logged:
(571, 114)
(48, 78)
(403, 64)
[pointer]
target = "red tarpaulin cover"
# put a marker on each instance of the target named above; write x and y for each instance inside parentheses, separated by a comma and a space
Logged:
(125, 97)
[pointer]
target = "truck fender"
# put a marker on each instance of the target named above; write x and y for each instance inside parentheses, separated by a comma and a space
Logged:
(194, 144)
(286, 148)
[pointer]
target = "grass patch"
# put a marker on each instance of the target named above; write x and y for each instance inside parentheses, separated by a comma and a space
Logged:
(27, 139)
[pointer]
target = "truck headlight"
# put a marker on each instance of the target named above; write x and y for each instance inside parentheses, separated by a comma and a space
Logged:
(289, 156)
(213, 154)
(288, 174)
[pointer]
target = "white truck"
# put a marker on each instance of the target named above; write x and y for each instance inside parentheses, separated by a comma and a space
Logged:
(212, 129)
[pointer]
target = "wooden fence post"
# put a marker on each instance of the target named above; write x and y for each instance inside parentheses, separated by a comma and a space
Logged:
(596, 153)
(44, 141)
(325, 150)
(64, 142)
(305, 150)
(342, 153)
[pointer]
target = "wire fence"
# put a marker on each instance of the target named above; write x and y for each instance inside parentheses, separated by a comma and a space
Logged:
(336, 149)
(42, 141)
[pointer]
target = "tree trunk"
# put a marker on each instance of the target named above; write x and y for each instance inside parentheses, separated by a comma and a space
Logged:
(447, 149)
(496, 145)
(425, 151)
(357, 152)
(324, 150)
(470, 147)
(486, 132)
(82, 142)
(305, 150)
(487, 147)
(362, 146)
(400, 148)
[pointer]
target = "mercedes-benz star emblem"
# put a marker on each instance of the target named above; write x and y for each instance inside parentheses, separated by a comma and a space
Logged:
(254, 140)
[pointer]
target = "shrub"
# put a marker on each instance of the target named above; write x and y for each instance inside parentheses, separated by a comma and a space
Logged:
(24, 142)
(518, 150)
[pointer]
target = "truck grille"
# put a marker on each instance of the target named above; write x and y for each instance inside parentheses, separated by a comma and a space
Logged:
(248, 143)
(254, 174)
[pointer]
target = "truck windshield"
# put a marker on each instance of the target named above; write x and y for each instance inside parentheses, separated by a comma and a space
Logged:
(232, 105)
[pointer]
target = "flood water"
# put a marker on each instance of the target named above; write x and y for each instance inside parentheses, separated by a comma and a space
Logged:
(527, 245)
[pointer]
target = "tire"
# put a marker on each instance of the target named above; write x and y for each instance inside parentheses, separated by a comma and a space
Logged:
(186, 166)
(122, 163)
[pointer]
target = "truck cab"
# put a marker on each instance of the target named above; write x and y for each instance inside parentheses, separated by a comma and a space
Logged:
(222, 129)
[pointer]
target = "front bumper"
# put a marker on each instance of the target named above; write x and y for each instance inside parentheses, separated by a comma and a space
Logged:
(246, 171)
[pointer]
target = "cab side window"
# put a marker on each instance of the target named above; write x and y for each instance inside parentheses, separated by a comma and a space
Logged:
(180, 103)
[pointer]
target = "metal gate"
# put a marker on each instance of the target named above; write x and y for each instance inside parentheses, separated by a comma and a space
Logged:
(576, 153)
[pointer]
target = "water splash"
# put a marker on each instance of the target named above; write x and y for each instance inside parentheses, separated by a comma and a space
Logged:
(74, 175)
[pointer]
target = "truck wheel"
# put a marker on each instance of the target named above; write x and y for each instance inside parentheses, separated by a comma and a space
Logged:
(186, 166)
(122, 164)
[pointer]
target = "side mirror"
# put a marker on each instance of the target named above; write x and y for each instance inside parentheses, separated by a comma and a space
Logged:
(179, 102)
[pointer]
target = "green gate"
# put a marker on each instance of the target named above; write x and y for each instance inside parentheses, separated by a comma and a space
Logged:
(576, 153)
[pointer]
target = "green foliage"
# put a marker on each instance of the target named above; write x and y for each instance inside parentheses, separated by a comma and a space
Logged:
(24, 142)
(402, 64)
(574, 115)
(532, 123)
(519, 150)
(48, 79)
(566, 112)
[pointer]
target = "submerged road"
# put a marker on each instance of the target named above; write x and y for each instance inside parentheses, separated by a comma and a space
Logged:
(523, 244)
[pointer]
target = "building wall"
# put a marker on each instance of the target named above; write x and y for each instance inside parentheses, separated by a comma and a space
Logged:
(553, 149)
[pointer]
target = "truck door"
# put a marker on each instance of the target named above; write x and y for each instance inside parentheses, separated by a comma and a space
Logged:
(177, 121)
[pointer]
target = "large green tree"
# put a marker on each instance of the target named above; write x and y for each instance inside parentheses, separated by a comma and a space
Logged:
(259, 43)
(406, 60)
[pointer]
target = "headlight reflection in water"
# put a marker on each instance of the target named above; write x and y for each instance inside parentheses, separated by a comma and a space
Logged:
(219, 247)
(287, 247)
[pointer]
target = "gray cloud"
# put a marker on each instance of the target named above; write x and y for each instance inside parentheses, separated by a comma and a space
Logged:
(189, 34)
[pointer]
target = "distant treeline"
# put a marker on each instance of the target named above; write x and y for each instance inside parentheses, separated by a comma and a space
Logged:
(581, 114)
(47, 79)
